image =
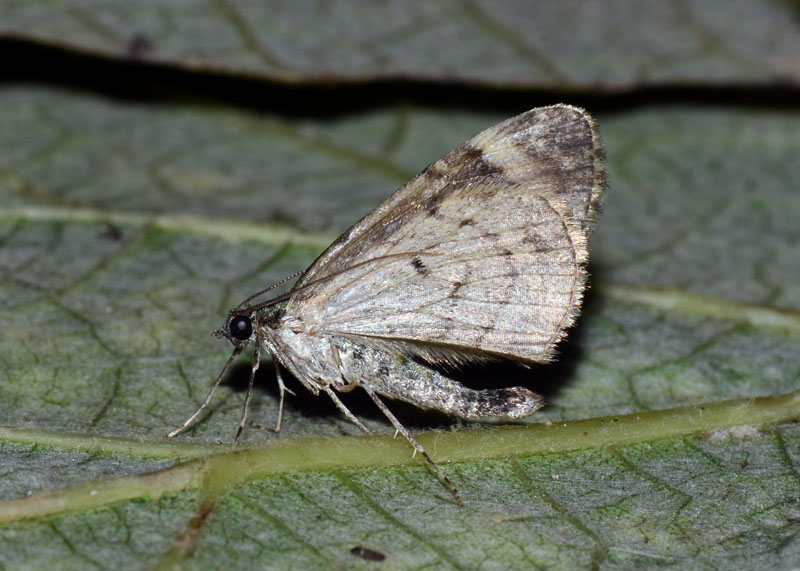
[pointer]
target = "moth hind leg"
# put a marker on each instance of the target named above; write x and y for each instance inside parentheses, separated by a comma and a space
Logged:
(398, 427)
(417, 446)
(346, 411)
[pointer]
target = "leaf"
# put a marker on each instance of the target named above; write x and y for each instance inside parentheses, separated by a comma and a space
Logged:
(575, 44)
(128, 228)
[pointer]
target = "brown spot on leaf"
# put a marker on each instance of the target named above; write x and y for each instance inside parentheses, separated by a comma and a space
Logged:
(367, 554)
(184, 544)
(139, 47)
(111, 231)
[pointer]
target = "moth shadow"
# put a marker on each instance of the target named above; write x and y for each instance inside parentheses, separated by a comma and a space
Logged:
(546, 379)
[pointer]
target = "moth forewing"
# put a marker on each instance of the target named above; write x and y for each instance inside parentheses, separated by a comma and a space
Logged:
(481, 255)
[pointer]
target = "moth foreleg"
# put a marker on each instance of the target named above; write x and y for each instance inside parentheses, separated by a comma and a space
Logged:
(214, 388)
(281, 390)
(253, 368)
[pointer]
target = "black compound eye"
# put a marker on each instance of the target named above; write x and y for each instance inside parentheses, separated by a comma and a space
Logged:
(241, 327)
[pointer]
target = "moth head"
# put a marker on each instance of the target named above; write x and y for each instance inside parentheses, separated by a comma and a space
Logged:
(239, 328)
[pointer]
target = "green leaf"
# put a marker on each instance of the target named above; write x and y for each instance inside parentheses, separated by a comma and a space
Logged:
(128, 228)
(575, 44)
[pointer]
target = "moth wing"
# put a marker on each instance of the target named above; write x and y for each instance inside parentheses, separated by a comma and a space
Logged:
(483, 251)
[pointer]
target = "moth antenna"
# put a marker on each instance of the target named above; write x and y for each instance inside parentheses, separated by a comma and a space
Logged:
(417, 446)
(189, 420)
(275, 300)
(273, 286)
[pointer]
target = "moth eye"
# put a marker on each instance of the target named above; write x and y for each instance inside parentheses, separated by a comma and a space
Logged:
(241, 327)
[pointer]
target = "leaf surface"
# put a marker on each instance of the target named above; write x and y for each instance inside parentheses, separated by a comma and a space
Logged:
(577, 44)
(128, 227)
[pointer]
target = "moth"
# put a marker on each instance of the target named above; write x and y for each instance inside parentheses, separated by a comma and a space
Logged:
(481, 256)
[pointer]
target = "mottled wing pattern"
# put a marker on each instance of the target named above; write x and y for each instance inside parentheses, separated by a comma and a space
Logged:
(482, 251)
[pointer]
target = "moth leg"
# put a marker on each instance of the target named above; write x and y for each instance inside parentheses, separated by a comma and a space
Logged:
(214, 388)
(417, 446)
(281, 390)
(256, 364)
(344, 410)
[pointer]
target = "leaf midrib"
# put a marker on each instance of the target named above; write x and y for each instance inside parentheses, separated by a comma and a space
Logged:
(205, 467)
